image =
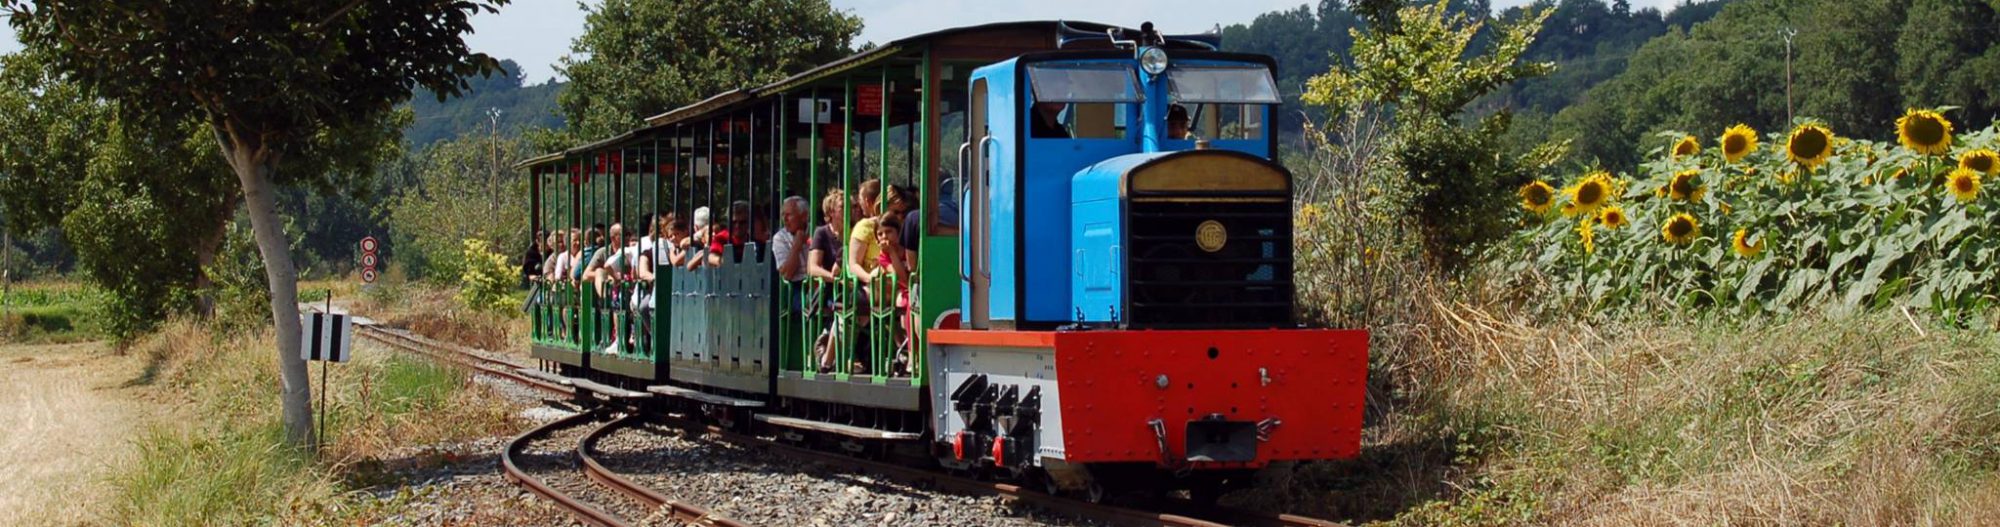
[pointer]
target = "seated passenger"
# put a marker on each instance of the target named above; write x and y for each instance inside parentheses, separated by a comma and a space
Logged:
(862, 249)
(1047, 122)
(731, 236)
(787, 249)
(889, 234)
(531, 261)
(823, 262)
(698, 239)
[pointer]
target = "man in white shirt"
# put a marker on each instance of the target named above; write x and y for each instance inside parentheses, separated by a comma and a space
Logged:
(787, 245)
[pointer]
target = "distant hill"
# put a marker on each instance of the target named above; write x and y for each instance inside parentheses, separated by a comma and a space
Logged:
(521, 108)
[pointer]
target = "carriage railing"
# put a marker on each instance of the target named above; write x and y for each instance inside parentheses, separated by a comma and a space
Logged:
(843, 330)
(621, 322)
(720, 312)
(555, 313)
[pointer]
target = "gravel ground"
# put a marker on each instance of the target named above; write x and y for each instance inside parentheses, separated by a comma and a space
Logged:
(459, 484)
(751, 488)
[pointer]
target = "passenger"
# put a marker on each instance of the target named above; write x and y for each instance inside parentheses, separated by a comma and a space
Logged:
(904, 202)
(531, 262)
(889, 234)
(1177, 122)
(612, 262)
(574, 260)
(589, 261)
(739, 225)
(698, 241)
(823, 264)
(552, 265)
(677, 240)
(1047, 122)
(787, 253)
(823, 250)
(862, 248)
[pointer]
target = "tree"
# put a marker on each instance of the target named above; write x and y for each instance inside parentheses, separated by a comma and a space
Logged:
(311, 80)
(449, 201)
(641, 58)
(142, 206)
(1417, 65)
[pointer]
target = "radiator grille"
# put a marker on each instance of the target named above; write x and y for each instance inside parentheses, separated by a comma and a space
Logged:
(1174, 283)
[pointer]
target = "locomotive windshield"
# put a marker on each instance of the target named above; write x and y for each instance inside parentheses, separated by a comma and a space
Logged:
(1085, 83)
(1222, 84)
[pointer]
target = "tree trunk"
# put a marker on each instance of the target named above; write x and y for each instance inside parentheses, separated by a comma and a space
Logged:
(255, 167)
(205, 250)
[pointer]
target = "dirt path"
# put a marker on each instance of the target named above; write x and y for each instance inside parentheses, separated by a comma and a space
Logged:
(65, 421)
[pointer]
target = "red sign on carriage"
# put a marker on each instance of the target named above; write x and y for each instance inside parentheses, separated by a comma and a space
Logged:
(868, 99)
(832, 136)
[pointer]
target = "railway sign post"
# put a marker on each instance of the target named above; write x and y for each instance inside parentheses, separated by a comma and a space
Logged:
(368, 260)
(325, 337)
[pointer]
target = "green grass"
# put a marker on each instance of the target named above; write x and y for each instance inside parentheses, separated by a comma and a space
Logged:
(52, 312)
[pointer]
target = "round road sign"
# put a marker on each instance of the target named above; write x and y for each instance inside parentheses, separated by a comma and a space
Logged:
(367, 276)
(368, 260)
(368, 245)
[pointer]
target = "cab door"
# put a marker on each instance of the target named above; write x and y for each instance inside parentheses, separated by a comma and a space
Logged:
(976, 248)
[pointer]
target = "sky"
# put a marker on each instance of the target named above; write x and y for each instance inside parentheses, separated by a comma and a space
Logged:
(536, 33)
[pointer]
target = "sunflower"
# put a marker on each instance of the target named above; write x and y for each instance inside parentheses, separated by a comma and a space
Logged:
(1686, 186)
(1680, 229)
(1963, 183)
(1983, 161)
(1809, 146)
(1537, 197)
(1738, 142)
(1924, 131)
(1613, 217)
(1687, 146)
(1743, 246)
(1585, 232)
(1588, 194)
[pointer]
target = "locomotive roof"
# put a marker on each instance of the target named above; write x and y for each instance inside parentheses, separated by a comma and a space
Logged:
(731, 98)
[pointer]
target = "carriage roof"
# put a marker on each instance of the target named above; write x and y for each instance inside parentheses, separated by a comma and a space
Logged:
(996, 41)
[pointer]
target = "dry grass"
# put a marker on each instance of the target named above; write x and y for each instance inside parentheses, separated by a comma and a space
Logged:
(1487, 419)
(223, 463)
(436, 312)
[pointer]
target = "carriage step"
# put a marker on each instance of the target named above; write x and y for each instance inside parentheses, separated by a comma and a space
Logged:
(705, 397)
(832, 428)
(546, 376)
(609, 390)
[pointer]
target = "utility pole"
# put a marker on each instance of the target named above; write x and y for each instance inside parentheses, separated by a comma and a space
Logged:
(1788, 33)
(493, 169)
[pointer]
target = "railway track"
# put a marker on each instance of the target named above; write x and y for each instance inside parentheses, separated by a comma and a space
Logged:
(594, 470)
(463, 357)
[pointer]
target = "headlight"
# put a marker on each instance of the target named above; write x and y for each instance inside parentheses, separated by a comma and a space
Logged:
(1153, 60)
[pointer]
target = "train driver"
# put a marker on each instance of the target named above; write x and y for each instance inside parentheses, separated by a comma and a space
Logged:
(1047, 123)
(1177, 122)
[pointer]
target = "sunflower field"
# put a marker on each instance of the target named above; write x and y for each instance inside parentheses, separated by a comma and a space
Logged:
(1772, 222)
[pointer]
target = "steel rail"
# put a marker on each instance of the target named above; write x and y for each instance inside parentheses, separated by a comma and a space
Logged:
(653, 499)
(582, 511)
(481, 363)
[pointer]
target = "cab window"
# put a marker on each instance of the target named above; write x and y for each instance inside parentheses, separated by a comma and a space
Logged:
(1094, 99)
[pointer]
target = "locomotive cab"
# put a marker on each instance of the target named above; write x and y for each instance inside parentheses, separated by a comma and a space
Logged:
(1125, 188)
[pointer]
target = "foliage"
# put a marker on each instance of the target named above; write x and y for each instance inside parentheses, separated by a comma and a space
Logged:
(1418, 70)
(140, 205)
(241, 292)
(1874, 226)
(460, 191)
(1856, 65)
(486, 279)
(637, 58)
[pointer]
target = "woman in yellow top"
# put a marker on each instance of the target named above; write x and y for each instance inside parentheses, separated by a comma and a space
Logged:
(862, 248)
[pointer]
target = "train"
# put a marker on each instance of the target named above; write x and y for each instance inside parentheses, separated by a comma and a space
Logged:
(1096, 294)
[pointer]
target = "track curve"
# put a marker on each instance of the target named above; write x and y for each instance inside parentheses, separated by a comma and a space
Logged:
(583, 511)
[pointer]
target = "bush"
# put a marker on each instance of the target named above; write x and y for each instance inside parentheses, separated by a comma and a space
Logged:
(486, 281)
(1874, 225)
